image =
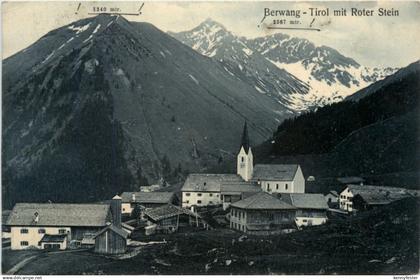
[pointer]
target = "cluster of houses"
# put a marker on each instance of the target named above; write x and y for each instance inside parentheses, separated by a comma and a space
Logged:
(260, 199)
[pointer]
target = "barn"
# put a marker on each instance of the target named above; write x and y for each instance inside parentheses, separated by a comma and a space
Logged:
(111, 240)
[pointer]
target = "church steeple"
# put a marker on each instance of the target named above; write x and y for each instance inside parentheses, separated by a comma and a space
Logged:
(244, 165)
(245, 138)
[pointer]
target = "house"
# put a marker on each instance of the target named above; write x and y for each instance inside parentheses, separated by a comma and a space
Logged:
(54, 241)
(145, 200)
(262, 213)
(29, 222)
(111, 240)
(365, 201)
(169, 218)
(279, 178)
(273, 178)
(204, 189)
(347, 195)
(332, 199)
(234, 191)
(311, 208)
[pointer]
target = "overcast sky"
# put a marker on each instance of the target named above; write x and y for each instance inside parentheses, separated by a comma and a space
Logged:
(372, 41)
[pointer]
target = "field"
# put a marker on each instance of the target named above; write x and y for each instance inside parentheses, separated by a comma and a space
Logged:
(377, 242)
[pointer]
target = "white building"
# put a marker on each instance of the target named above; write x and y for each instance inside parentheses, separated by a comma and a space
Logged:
(205, 189)
(51, 225)
(311, 208)
(279, 178)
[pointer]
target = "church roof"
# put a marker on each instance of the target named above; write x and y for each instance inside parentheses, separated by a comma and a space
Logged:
(277, 172)
(208, 182)
(263, 201)
(245, 139)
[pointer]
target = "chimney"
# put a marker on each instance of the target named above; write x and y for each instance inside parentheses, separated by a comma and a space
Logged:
(36, 217)
(116, 210)
(133, 197)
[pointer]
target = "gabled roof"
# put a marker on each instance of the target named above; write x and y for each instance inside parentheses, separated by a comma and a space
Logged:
(381, 198)
(208, 182)
(351, 180)
(355, 189)
(148, 197)
(239, 188)
(334, 193)
(47, 238)
(59, 214)
(113, 228)
(167, 211)
(277, 172)
(263, 201)
(305, 200)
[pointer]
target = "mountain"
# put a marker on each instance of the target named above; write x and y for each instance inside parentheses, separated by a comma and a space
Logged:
(214, 40)
(321, 75)
(376, 136)
(103, 105)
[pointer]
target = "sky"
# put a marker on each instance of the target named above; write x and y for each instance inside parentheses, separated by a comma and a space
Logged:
(371, 40)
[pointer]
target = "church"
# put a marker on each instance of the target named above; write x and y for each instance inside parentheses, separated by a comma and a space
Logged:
(210, 189)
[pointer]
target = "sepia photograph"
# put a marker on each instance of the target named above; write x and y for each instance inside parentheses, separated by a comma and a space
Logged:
(210, 138)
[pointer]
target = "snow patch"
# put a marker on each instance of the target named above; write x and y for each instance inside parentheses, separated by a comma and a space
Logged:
(79, 29)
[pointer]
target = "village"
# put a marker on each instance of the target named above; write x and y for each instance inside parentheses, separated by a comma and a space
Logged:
(260, 200)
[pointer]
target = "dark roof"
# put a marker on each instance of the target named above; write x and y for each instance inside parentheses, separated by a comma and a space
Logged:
(113, 228)
(355, 189)
(148, 197)
(238, 188)
(208, 182)
(351, 180)
(245, 139)
(382, 198)
(53, 238)
(305, 200)
(5, 215)
(167, 211)
(59, 214)
(278, 172)
(262, 200)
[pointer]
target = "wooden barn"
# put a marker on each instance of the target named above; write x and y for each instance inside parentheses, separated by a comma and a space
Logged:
(111, 240)
(131, 200)
(169, 218)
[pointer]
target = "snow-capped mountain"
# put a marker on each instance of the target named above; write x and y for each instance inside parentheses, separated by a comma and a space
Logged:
(213, 40)
(321, 74)
(95, 106)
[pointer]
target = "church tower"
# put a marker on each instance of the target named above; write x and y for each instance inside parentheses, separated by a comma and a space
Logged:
(245, 159)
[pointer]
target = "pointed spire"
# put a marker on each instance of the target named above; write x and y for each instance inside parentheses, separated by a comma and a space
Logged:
(245, 138)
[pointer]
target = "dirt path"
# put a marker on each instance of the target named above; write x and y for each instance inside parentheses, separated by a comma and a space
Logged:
(19, 265)
(25, 261)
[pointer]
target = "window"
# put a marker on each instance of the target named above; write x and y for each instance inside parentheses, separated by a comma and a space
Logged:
(41, 230)
(304, 220)
(123, 209)
(217, 195)
(62, 231)
(277, 186)
(242, 159)
(329, 200)
(286, 186)
(205, 183)
(187, 201)
(24, 243)
(199, 194)
(210, 194)
(198, 201)
(187, 194)
(24, 230)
